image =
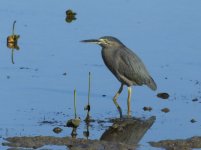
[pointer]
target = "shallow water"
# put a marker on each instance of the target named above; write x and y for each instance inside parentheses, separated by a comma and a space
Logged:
(165, 34)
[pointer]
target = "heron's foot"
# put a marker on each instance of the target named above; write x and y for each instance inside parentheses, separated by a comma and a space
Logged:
(120, 111)
(126, 117)
(129, 115)
(123, 117)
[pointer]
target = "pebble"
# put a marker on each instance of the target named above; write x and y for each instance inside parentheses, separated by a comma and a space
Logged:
(147, 108)
(165, 110)
(163, 95)
(57, 130)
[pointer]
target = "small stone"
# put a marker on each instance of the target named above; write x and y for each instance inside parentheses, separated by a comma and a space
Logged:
(195, 100)
(64, 74)
(193, 121)
(163, 95)
(104, 95)
(165, 110)
(73, 122)
(147, 108)
(57, 130)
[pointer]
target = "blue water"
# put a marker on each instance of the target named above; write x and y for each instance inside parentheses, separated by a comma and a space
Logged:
(165, 35)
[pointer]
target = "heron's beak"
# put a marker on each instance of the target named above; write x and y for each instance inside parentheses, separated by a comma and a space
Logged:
(91, 41)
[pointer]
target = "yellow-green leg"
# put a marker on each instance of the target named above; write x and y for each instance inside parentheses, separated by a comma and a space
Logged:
(129, 100)
(115, 100)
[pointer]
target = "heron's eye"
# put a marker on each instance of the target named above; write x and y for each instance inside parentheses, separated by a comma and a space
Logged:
(106, 42)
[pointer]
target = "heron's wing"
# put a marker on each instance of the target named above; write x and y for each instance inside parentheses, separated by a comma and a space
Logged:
(131, 67)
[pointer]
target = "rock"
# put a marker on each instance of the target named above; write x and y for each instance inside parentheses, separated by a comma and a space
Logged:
(57, 130)
(73, 122)
(147, 108)
(165, 110)
(163, 95)
(193, 121)
(195, 99)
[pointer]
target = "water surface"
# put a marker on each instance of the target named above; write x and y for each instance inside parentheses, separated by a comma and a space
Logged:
(165, 34)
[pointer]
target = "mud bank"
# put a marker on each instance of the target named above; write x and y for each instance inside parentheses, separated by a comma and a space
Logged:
(184, 144)
(74, 144)
(124, 134)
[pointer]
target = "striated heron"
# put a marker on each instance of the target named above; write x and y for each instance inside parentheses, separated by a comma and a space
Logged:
(126, 66)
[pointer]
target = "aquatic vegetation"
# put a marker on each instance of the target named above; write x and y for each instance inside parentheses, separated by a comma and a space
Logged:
(70, 16)
(76, 121)
(12, 42)
(88, 107)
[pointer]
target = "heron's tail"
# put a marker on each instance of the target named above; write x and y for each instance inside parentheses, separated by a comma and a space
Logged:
(151, 84)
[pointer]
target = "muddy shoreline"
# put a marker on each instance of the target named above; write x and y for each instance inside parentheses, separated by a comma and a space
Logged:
(124, 134)
(84, 144)
(179, 144)
(81, 144)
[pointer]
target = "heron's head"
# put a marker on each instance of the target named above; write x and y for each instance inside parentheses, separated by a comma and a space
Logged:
(106, 42)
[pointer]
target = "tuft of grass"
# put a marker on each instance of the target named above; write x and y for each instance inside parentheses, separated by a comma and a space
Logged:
(76, 121)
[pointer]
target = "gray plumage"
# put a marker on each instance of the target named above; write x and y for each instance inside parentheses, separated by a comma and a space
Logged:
(125, 65)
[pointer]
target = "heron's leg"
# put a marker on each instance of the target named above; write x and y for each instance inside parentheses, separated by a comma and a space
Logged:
(129, 100)
(115, 100)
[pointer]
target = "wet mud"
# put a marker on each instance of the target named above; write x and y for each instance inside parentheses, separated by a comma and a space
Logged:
(180, 144)
(74, 144)
(124, 134)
